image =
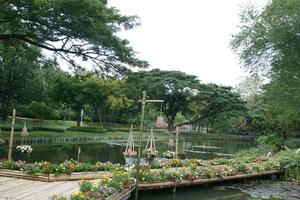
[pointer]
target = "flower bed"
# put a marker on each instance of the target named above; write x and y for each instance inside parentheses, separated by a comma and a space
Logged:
(103, 189)
(195, 169)
(66, 167)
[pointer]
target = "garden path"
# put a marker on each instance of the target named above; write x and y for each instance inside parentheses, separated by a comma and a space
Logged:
(20, 189)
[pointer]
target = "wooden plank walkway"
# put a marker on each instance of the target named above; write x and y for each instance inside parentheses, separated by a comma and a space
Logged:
(20, 189)
(75, 176)
(169, 184)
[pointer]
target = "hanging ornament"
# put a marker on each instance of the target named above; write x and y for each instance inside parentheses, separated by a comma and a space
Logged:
(150, 149)
(130, 152)
(24, 131)
(160, 122)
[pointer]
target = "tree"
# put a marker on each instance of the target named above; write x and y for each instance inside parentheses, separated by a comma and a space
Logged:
(96, 94)
(269, 38)
(269, 43)
(249, 86)
(22, 77)
(283, 110)
(40, 110)
(174, 87)
(212, 102)
(69, 90)
(118, 100)
(73, 28)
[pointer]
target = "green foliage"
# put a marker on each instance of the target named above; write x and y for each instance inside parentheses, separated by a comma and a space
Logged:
(50, 129)
(271, 142)
(10, 165)
(21, 76)
(87, 129)
(174, 87)
(85, 186)
(57, 197)
(268, 44)
(217, 107)
(92, 37)
(40, 110)
(290, 161)
(16, 128)
(66, 167)
(292, 143)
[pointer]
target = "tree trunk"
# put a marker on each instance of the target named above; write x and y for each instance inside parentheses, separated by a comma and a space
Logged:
(284, 135)
(207, 127)
(212, 126)
(170, 125)
(199, 127)
(65, 114)
(78, 119)
(100, 117)
(111, 116)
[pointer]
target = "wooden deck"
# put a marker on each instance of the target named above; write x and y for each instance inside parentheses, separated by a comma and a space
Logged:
(170, 184)
(20, 189)
(75, 176)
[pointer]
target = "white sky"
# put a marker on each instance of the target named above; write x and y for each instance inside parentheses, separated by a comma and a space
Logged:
(191, 36)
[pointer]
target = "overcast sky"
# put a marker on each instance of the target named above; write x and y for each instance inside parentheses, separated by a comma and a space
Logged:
(191, 36)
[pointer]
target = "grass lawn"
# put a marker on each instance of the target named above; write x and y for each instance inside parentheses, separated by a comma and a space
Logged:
(67, 133)
(40, 134)
(46, 123)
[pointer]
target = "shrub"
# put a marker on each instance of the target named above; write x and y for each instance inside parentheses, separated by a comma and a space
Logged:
(272, 142)
(59, 130)
(290, 161)
(87, 129)
(85, 186)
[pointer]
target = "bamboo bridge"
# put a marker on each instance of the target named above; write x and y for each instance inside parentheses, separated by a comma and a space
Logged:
(14, 186)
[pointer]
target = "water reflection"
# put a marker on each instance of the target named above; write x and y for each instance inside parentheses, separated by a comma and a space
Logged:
(194, 193)
(92, 152)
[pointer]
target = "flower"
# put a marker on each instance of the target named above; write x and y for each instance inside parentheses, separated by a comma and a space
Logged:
(25, 149)
(168, 154)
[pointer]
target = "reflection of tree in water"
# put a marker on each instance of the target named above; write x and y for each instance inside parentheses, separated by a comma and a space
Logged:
(104, 152)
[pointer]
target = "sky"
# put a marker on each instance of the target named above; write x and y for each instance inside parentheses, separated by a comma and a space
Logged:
(191, 36)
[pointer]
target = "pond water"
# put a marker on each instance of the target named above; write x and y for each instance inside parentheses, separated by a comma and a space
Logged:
(112, 150)
(195, 193)
(196, 148)
(246, 190)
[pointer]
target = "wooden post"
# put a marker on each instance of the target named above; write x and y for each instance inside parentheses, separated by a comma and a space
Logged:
(176, 146)
(140, 144)
(78, 154)
(143, 101)
(11, 135)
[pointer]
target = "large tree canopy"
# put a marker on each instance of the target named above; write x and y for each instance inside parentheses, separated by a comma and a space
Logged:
(173, 87)
(269, 39)
(69, 29)
(269, 43)
(211, 102)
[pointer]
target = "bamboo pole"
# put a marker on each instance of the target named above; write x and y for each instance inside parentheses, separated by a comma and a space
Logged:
(140, 144)
(176, 146)
(11, 135)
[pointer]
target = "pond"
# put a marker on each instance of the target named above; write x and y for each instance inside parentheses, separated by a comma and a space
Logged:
(246, 190)
(195, 193)
(199, 148)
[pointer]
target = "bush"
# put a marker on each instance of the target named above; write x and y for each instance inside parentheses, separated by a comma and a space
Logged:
(290, 161)
(85, 186)
(292, 143)
(17, 128)
(86, 129)
(59, 130)
(271, 141)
